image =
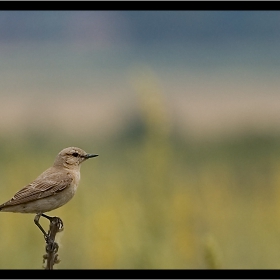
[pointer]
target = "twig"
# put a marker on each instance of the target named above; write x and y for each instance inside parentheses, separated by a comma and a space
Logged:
(51, 255)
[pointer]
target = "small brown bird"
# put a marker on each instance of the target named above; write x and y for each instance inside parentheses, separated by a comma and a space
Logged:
(52, 189)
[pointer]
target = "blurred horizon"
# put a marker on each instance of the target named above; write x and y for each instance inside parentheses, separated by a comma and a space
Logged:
(217, 70)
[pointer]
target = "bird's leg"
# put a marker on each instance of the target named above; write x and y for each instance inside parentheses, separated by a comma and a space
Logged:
(56, 220)
(36, 221)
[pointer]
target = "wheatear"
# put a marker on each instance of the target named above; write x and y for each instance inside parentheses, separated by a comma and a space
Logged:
(52, 189)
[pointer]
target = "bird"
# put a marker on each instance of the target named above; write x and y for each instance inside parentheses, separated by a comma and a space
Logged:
(51, 189)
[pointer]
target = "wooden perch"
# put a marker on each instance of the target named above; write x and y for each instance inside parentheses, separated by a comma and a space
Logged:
(51, 256)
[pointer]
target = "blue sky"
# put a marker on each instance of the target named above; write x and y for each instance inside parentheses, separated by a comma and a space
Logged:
(141, 26)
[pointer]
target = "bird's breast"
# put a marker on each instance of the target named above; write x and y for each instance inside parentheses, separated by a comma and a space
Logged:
(76, 179)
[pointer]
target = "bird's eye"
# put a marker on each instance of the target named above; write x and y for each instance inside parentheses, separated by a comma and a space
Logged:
(75, 154)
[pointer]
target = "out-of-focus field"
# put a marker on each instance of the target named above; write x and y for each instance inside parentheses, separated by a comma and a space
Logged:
(183, 108)
(152, 199)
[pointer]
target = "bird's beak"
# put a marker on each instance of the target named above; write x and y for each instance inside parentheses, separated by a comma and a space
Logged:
(90, 156)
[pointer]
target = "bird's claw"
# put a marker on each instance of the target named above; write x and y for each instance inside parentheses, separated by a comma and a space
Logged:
(60, 224)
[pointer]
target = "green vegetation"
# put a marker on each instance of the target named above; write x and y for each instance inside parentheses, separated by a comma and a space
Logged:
(152, 199)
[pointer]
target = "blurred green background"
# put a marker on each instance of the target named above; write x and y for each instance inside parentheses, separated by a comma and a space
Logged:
(183, 109)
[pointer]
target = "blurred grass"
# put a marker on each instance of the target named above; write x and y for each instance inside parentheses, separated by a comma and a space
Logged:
(151, 199)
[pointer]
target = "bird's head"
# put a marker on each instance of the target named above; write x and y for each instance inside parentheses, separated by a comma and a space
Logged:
(72, 157)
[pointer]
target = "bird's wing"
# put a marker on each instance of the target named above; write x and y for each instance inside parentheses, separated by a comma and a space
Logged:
(43, 186)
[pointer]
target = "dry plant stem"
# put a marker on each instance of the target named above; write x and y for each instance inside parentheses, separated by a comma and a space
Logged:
(51, 255)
